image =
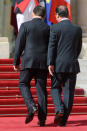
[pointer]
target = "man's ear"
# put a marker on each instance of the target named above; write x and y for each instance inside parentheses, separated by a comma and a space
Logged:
(33, 14)
(57, 17)
(43, 18)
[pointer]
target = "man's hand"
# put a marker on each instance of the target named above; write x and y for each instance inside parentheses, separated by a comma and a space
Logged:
(51, 69)
(16, 68)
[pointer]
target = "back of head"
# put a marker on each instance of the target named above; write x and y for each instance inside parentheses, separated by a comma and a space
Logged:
(62, 11)
(39, 11)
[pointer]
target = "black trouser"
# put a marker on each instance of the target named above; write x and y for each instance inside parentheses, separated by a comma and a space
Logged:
(63, 82)
(40, 77)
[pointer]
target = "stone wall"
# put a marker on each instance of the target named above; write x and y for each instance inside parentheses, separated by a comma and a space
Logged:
(79, 16)
(6, 30)
(5, 13)
(82, 15)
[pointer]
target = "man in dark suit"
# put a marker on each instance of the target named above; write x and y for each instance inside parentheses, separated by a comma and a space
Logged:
(64, 48)
(33, 39)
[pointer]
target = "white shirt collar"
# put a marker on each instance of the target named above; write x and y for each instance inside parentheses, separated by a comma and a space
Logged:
(64, 19)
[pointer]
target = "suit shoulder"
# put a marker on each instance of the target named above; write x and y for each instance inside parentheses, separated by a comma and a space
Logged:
(78, 29)
(54, 27)
(25, 24)
(45, 24)
(77, 26)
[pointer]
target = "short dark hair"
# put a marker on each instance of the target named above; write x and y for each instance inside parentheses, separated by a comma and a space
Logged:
(39, 11)
(62, 11)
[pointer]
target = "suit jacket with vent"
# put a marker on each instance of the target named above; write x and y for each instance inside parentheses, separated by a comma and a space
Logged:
(64, 46)
(33, 38)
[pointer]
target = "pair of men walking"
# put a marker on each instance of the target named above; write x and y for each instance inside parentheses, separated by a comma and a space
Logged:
(59, 51)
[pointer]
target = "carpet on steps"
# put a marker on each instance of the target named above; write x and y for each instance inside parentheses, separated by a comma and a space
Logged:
(14, 83)
(17, 92)
(7, 74)
(14, 101)
(8, 89)
(6, 61)
(11, 75)
(8, 68)
(23, 110)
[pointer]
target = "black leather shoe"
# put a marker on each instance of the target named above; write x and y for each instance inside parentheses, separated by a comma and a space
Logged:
(58, 117)
(62, 123)
(41, 123)
(30, 114)
(63, 120)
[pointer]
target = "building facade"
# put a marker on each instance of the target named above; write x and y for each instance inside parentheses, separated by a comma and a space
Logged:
(78, 14)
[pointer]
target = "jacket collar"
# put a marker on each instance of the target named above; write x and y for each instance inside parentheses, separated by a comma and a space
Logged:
(64, 19)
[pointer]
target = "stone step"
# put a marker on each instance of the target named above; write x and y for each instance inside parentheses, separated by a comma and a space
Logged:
(82, 82)
(82, 76)
(4, 47)
(83, 62)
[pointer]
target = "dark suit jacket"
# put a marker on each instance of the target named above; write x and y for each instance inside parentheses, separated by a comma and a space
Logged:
(33, 38)
(64, 46)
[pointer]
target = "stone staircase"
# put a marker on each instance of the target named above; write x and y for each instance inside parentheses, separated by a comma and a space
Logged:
(12, 103)
(82, 76)
(4, 48)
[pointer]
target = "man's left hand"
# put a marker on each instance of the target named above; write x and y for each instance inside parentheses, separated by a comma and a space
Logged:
(16, 68)
(51, 69)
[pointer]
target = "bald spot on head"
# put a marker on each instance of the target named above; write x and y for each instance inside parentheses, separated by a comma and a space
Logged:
(62, 7)
(62, 11)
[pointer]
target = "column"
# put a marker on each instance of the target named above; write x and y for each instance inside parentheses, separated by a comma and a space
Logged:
(73, 4)
(6, 30)
(82, 15)
(1, 16)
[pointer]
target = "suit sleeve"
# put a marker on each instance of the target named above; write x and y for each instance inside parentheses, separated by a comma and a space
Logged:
(19, 45)
(79, 43)
(52, 47)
